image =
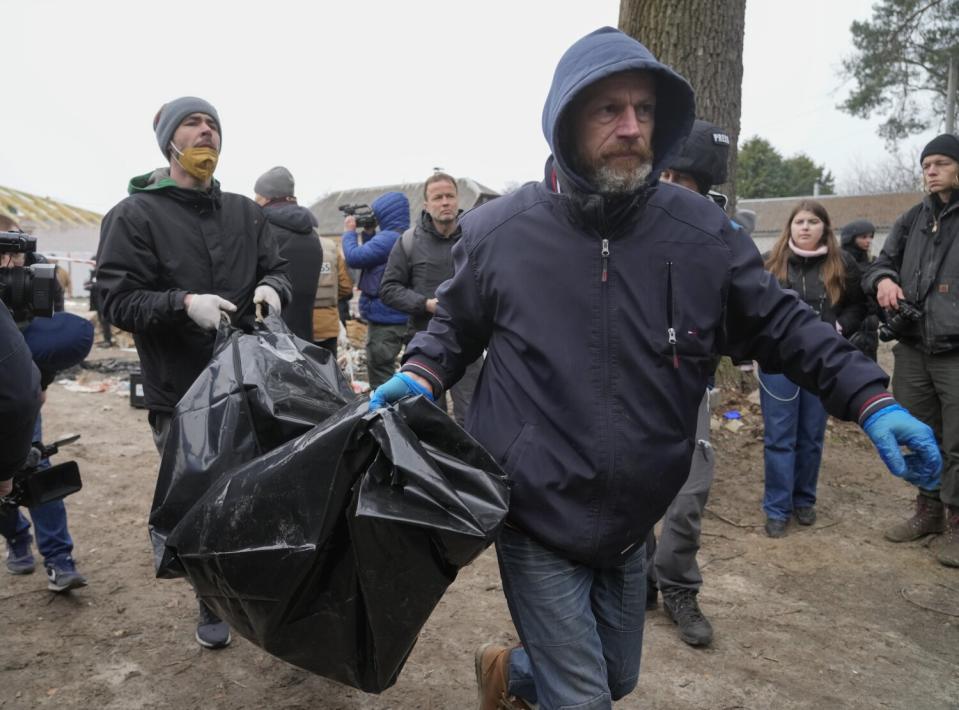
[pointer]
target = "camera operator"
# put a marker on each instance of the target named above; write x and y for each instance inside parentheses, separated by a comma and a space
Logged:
(19, 403)
(386, 326)
(916, 280)
(55, 343)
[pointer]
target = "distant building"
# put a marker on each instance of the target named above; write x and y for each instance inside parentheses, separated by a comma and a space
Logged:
(67, 234)
(881, 209)
(471, 194)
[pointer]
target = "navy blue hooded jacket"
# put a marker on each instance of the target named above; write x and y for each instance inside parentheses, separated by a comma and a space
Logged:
(392, 211)
(602, 319)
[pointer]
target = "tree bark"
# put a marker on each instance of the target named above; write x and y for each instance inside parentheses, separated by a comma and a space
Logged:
(703, 41)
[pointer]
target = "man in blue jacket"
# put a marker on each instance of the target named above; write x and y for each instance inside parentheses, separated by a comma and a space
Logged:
(603, 296)
(386, 327)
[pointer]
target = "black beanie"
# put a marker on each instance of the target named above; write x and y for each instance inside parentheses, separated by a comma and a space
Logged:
(856, 228)
(946, 144)
(704, 155)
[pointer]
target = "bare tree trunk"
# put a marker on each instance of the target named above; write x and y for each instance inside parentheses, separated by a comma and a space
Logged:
(703, 41)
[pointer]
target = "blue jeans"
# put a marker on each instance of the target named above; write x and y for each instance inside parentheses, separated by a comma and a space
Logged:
(581, 628)
(49, 521)
(795, 424)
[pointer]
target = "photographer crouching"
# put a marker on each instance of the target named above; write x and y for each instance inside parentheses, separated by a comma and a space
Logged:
(54, 341)
(916, 281)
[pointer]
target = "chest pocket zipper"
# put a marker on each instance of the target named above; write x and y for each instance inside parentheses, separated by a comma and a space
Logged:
(670, 330)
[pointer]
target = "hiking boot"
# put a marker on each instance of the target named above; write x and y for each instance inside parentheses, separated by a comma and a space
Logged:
(775, 527)
(62, 575)
(19, 555)
(492, 679)
(681, 606)
(947, 549)
(928, 519)
(211, 631)
(805, 515)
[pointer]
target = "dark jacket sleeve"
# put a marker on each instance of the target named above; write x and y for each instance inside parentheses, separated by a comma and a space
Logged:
(19, 396)
(126, 276)
(271, 268)
(852, 309)
(395, 289)
(771, 325)
(458, 332)
(889, 261)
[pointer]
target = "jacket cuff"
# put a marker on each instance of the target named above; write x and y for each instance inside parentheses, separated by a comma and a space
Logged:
(869, 401)
(427, 370)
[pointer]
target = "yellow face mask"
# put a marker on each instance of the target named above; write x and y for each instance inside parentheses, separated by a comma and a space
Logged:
(198, 162)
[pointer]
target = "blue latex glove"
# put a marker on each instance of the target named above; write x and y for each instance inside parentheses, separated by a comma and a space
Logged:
(396, 388)
(892, 427)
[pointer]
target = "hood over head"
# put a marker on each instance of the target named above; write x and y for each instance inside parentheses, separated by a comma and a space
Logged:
(392, 211)
(292, 216)
(600, 54)
(854, 229)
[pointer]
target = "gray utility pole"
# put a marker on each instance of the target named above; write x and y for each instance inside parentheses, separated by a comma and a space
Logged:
(951, 92)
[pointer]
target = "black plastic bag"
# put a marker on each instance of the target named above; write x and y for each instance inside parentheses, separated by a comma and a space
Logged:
(332, 550)
(259, 390)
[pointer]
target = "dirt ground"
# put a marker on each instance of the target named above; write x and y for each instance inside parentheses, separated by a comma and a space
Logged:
(828, 617)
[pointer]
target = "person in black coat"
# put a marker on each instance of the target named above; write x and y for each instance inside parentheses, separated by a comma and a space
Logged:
(856, 238)
(175, 258)
(293, 226)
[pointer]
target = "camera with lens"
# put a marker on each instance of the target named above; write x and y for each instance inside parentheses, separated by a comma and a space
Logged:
(27, 291)
(365, 219)
(899, 323)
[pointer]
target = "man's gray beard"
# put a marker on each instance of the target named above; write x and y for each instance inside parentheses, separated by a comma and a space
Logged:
(611, 182)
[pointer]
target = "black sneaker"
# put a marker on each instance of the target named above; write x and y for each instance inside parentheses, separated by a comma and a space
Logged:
(211, 630)
(62, 575)
(775, 527)
(681, 606)
(805, 515)
(19, 555)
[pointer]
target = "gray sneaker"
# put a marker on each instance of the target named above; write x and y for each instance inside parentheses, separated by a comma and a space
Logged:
(681, 606)
(20, 558)
(211, 631)
(62, 575)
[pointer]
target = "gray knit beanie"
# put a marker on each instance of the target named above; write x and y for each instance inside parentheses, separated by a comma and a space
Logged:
(275, 182)
(171, 115)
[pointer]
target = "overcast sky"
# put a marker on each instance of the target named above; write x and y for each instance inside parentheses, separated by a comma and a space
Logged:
(365, 92)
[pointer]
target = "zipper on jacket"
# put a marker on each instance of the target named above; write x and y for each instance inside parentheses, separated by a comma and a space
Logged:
(605, 254)
(670, 330)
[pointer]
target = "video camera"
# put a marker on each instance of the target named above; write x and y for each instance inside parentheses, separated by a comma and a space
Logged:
(899, 322)
(28, 291)
(365, 219)
(33, 486)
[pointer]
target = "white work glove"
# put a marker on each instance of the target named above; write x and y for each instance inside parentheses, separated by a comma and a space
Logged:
(269, 296)
(205, 309)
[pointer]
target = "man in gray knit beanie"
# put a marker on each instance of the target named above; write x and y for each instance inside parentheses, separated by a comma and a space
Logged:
(171, 115)
(176, 258)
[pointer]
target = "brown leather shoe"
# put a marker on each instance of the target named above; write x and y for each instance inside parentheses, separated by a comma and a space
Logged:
(928, 519)
(492, 679)
(947, 549)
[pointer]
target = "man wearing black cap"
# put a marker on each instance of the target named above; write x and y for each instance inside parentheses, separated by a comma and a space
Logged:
(175, 257)
(671, 565)
(919, 266)
(293, 227)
